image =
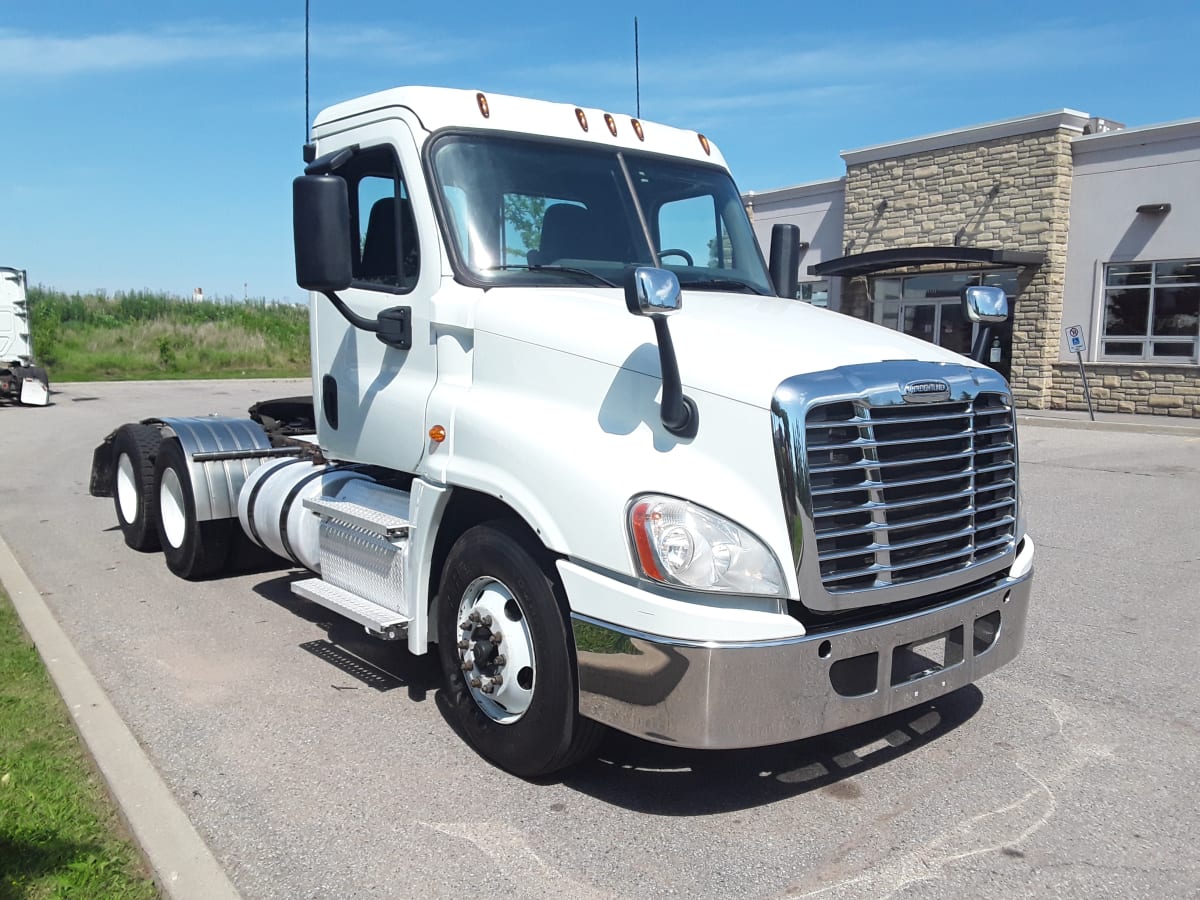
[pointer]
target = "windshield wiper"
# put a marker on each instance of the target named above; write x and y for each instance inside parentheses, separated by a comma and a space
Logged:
(720, 284)
(568, 269)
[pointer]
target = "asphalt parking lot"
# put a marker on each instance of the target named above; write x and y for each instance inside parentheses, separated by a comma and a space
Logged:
(1073, 772)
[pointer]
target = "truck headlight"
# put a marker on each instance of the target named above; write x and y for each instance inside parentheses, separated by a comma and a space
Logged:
(679, 543)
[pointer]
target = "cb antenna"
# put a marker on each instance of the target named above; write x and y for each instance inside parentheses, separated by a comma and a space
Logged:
(637, 67)
(306, 2)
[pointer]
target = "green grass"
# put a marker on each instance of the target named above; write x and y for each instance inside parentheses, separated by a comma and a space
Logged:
(59, 834)
(139, 335)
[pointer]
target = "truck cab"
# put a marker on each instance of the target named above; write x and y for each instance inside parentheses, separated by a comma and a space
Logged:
(20, 379)
(569, 428)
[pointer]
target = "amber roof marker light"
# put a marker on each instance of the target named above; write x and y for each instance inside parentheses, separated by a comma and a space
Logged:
(582, 117)
(705, 144)
(483, 104)
(637, 129)
(611, 123)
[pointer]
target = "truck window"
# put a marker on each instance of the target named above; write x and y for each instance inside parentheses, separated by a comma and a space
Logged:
(542, 213)
(386, 251)
(525, 218)
(693, 227)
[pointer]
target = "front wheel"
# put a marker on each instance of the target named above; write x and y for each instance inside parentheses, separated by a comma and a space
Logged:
(504, 645)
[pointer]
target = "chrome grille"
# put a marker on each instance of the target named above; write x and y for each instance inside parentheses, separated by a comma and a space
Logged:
(906, 492)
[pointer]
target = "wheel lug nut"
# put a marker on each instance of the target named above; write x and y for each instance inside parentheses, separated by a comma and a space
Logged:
(463, 645)
(485, 620)
(499, 660)
(467, 665)
(465, 626)
(497, 680)
(497, 637)
(475, 682)
(489, 688)
(474, 616)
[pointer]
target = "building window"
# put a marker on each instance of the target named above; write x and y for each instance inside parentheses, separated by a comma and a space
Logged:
(814, 292)
(1152, 311)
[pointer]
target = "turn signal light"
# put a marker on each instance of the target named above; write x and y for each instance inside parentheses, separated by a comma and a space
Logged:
(640, 515)
(437, 434)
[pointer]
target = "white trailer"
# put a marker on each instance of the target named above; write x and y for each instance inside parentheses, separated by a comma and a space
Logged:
(20, 379)
(759, 522)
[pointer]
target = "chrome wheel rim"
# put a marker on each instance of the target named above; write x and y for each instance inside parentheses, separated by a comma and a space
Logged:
(128, 489)
(495, 650)
(171, 508)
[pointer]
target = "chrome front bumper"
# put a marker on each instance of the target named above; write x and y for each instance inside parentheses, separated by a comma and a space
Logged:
(723, 695)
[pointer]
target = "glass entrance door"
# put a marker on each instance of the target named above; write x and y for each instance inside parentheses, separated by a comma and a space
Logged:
(939, 322)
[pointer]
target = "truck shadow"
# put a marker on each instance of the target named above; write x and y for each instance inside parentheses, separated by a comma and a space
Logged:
(672, 781)
(379, 665)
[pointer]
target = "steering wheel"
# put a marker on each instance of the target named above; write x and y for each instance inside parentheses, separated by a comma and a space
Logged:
(675, 252)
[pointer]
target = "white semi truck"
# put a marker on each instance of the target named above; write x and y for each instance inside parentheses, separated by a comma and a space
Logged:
(759, 522)
(20, 379)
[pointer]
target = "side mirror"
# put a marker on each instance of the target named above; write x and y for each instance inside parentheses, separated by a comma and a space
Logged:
(655, 293)
(321, 231)
(652, 292)
(784, 264)
(984, 303)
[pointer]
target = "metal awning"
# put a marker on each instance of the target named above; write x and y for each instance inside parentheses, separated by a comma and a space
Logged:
(878, 260)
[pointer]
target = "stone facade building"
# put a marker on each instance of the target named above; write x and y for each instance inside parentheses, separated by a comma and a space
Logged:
(997, 203)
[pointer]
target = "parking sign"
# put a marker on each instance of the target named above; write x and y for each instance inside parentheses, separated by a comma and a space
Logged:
(1075, 341)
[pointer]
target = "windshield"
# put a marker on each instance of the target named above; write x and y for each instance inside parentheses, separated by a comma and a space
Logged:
(534, 212)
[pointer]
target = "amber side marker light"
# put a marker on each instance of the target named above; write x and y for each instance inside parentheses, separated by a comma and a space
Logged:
(641, 539)
(706, 145)
(582, 117)
(483, 104)
(637, 129)
(611, 123)
(437, 434)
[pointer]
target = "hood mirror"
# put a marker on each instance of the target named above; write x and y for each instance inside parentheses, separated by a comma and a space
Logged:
(652, 292)
(655, 293)
(985, 303)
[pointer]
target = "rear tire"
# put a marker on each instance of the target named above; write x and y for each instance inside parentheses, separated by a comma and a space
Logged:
(192, 549)
(134, 450)
(529, 725)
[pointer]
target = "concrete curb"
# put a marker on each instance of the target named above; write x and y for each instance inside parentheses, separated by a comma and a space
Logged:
(1136, 426)
(183, 866)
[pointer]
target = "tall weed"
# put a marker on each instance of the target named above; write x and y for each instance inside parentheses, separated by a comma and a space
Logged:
(144, 334)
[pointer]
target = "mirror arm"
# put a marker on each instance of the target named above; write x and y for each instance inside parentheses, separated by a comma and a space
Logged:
(393, 326)
(983, 343)
(360, 322)
(679, 413)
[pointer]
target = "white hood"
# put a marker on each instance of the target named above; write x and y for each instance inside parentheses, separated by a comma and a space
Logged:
(739, 346)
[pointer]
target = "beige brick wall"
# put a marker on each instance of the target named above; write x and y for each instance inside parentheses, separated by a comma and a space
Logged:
(1128, 388)
(1012, 193)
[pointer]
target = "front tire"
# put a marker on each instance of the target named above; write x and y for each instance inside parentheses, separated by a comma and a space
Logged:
(134, 450)
(192, 549)
(510, 675)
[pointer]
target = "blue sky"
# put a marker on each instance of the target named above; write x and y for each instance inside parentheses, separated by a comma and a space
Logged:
(152, 145)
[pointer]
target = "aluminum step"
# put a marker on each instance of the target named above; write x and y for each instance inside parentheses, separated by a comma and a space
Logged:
(359, 516)
(389, 624)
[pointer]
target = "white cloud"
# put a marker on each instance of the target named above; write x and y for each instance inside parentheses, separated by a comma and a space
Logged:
(795, 72)
(31, 55)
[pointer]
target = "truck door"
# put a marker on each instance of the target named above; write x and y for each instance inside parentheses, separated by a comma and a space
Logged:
(370, 398)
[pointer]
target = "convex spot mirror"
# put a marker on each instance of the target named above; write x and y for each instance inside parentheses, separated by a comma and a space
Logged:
(652, 292)
(321, 229)
(985, 303)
